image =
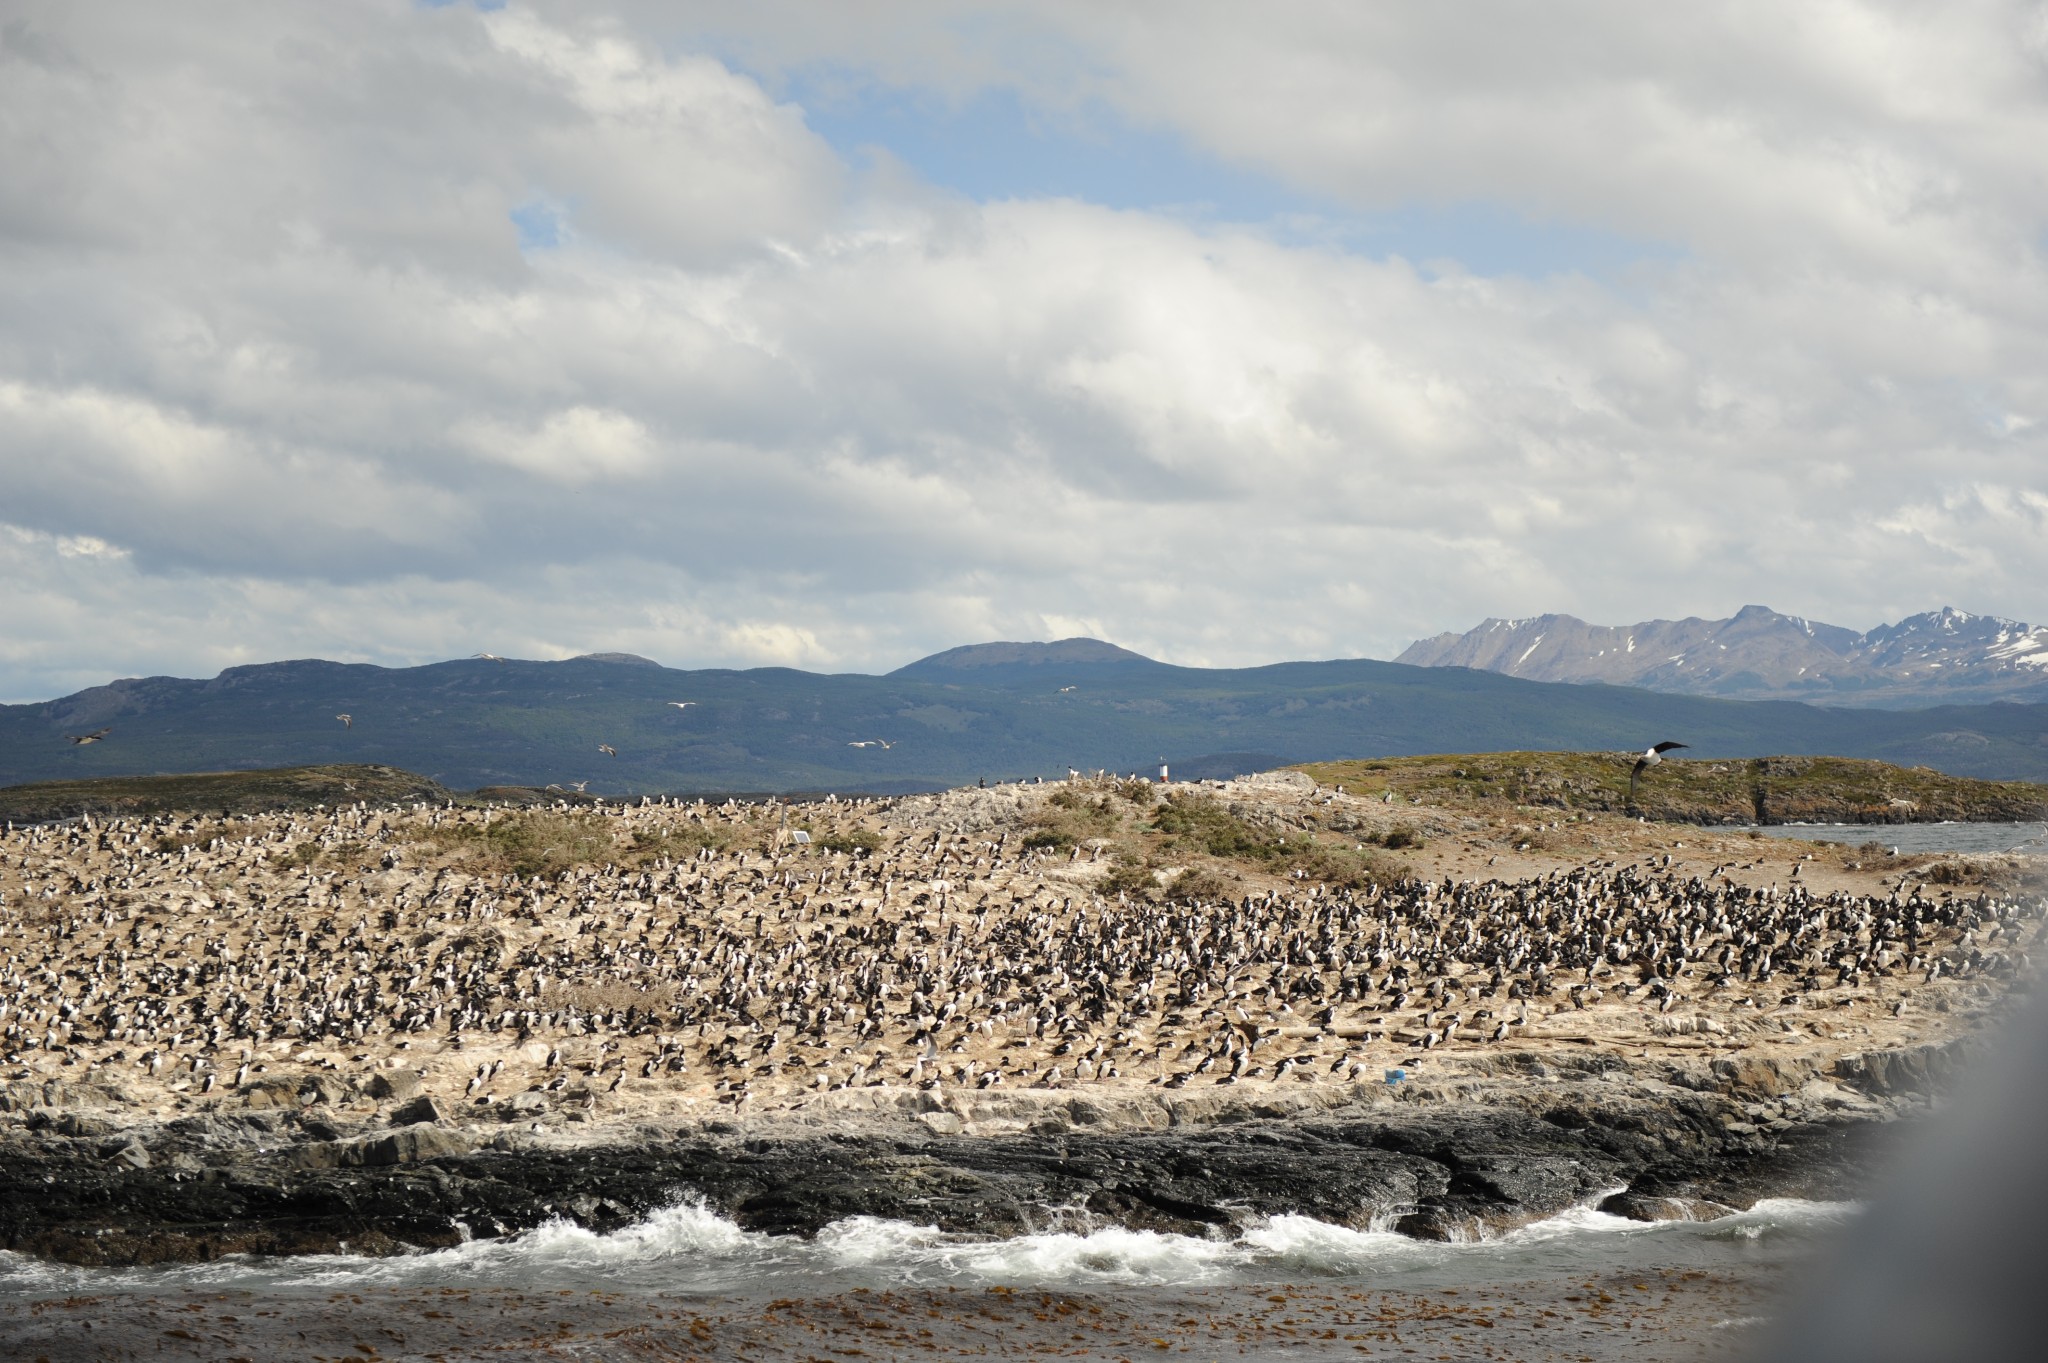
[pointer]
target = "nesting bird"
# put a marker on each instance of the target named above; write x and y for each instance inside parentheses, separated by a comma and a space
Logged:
(696, 948)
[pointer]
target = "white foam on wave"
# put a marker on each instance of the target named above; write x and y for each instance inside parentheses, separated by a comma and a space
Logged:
(1582, 1220)
(1108, 1254)
(864, 1241)
(687, 1237)
(27, 1275)
(688, 1247)
(1302, 1244)
(687, 1230)
(1112, 1254)
(1783, 1215)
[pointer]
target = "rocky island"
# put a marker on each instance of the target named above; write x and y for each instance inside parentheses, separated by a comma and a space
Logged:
(375, 1026)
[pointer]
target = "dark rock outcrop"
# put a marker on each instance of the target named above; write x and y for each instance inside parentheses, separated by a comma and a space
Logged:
(268, 1182)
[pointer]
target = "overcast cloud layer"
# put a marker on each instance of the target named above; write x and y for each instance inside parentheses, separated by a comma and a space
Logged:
(393, 332)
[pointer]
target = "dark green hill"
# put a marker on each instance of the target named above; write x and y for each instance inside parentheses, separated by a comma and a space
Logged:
(1062, 663)
(1760, 790)
(215, 792)
(477, 723)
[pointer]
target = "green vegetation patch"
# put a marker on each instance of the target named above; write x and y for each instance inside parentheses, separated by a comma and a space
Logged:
(1196, 823)
(217, 792)
(546, 842)
(1085, 811)
(1704, 791)
(1190, 824)
(849, 840)
(528, 843)
(677, 841)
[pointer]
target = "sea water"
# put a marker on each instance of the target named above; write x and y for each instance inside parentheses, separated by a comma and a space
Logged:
(686, 1283)
(687, 1248)
(1910, 838)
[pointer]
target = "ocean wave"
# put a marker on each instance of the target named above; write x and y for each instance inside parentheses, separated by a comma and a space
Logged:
(690, 1248)
(1775, 1217)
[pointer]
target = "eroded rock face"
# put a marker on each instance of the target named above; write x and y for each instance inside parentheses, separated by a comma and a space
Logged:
(1918, 1070)
(420, 1109)
(1762, 1076)
(206, 1186)
(408, 1145)
(395, 1085)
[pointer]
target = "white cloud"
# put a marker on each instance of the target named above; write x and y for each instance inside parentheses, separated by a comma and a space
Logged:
(575, 445)
(277, 377)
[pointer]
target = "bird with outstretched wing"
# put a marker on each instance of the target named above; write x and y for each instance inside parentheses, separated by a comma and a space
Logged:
(1650, 758)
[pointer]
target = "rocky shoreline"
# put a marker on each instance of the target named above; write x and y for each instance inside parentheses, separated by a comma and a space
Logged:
(1434, 1159)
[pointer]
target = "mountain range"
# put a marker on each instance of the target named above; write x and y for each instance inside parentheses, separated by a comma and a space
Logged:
(989, 711)
(1939, 657)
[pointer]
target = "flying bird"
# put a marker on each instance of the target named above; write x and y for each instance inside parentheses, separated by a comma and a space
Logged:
(1065, 689)
(608, 750)
(347, 721)
(682, 704)
(580, 786)
(1650, 758)
(95, 736)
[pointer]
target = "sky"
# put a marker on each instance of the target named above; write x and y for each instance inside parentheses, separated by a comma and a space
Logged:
(829, 336)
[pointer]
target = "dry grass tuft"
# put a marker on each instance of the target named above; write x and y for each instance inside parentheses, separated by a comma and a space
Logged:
(532, 843)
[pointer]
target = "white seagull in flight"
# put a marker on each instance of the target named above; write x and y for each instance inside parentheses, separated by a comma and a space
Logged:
(1650, 758)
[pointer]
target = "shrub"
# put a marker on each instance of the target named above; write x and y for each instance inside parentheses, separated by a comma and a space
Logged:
(296, 858)
(1071, 817)
(536, 843)
(850, 840)
(1201, 883)
(1130, 875)
(1344, 869)
(677, 841)
(1196, 823)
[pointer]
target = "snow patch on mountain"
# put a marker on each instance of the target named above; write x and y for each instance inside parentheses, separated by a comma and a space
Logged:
(1937, 657)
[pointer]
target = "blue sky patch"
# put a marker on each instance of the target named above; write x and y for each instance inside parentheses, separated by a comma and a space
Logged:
(541, 225)
(997, 146)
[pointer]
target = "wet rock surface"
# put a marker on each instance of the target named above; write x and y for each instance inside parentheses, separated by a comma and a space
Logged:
(81, 1188)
